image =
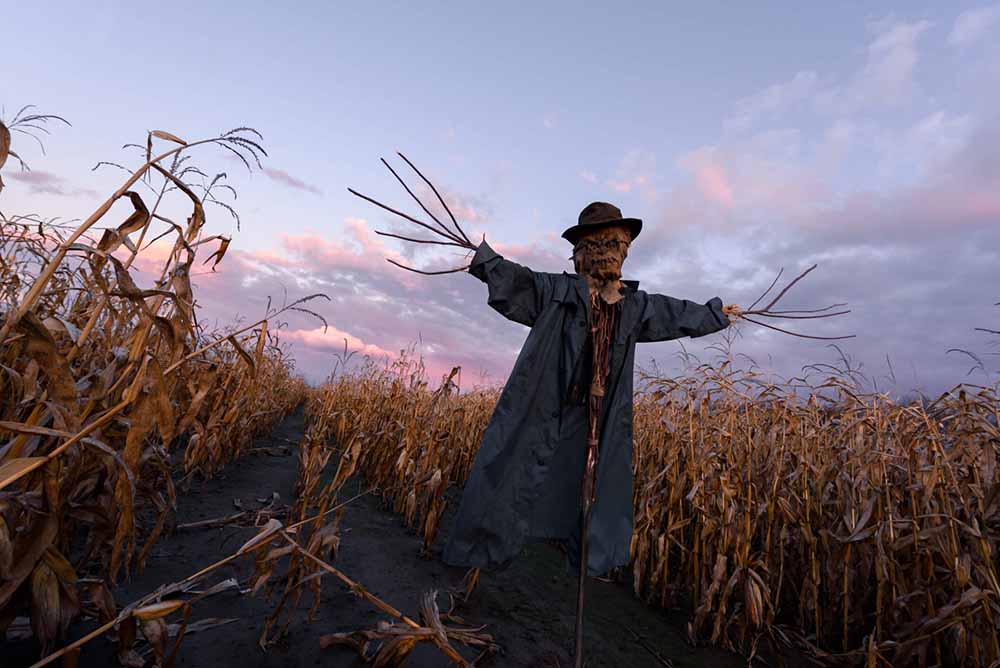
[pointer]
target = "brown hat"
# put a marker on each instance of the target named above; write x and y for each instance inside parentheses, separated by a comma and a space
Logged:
(600, 214)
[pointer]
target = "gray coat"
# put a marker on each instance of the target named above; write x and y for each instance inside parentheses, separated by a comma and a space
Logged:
(525, 480)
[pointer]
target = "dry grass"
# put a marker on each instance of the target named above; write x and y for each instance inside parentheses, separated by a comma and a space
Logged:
(863, 531)
(100, 380)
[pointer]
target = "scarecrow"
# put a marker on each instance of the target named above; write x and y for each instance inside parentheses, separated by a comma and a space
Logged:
(555, 461)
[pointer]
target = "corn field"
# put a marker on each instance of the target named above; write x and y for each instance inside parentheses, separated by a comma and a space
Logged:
(861, 531)
(106, 388)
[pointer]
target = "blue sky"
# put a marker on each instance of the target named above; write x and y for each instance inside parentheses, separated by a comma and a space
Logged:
(748, 138)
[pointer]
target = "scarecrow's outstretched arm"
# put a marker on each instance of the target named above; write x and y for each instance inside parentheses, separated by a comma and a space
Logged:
(516, 292)
(665, 318)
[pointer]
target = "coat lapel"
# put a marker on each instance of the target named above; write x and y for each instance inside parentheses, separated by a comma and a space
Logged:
(576, 292)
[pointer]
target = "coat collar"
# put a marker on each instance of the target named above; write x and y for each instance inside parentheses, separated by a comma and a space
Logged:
(578, 284)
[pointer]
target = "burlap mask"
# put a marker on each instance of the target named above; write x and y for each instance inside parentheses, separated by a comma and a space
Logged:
(599, 255)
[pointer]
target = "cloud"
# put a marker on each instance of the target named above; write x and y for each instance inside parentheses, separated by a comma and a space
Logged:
(286, 179)
(885, 79)
(930, 140)
(710, 176)
(914, 257)
(333, 340)
(761, 178)
(835, 144)
(549, 255)
(972, 25)
(916, 264)
(775, 99)
(380, 309)
(467, 209)
(635, 172)
(46, 183)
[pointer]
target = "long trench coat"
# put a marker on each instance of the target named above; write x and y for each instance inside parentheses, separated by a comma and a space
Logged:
(525, 481)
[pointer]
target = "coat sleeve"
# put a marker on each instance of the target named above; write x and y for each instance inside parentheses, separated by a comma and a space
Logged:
(665, 318)
(516, 292)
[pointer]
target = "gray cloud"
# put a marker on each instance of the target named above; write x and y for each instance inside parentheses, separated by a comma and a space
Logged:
(973, 24)
(286, 179)
(885, 79)
(41, 182)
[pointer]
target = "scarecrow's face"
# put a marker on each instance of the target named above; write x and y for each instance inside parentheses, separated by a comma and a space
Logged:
(600, 253)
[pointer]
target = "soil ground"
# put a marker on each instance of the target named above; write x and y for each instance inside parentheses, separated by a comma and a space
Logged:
(528, 608)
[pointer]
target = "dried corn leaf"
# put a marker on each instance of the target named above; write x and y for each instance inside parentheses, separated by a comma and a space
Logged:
(15, 468)
(261, 340)
(6, 547)
(244, 355)
(45, 605)
(23, 428)
(218, 254)
(138, 219)
(395, 652)
(157, 610)
(59, 378)
(160, 134)
(272, 527)
(4, 143)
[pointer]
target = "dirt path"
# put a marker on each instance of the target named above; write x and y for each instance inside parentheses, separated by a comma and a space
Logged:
(529, 608)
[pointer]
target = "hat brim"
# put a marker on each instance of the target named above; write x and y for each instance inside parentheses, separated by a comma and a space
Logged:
(574, 233)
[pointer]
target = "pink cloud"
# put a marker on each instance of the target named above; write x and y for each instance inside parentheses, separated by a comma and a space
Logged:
(377, 307)
(332, 341)
(635, 173)
(269, 257)
(361, 249)
(751, 179)
(710, 176)
(714, 184)
(550, 256)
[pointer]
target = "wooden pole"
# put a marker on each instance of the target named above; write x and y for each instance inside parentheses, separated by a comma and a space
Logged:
(587, 499)
(602, 327)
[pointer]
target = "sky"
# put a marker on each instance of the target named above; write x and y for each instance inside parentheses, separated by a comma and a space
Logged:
(860, 137)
